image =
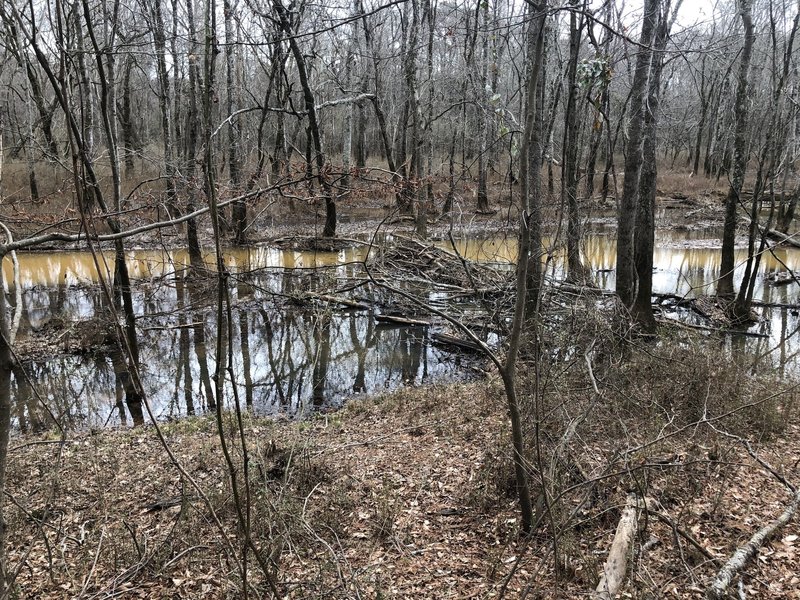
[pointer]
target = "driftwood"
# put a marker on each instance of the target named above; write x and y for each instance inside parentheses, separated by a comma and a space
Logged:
(338, 300)
(616, 564)
(451, 340)
(406, 321)
(719, 586)
(783, 238)
(781, 278)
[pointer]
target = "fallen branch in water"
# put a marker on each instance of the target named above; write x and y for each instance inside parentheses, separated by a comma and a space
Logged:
(451, 340)
(397, 320)
(783, 238)
(338, 300)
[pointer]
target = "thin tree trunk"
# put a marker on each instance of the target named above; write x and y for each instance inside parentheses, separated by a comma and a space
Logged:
(481, 101)
(167, 119)
(190, 152)
(727, 264)
(239, 211)
(569, 166)
(529, 259)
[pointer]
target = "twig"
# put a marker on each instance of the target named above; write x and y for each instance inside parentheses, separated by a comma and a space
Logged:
(94, 563)
(685, 535)
(183, 553)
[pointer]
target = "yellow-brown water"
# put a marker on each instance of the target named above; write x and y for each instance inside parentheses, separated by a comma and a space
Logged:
(70, 268)
(290, 361)
(681, 265)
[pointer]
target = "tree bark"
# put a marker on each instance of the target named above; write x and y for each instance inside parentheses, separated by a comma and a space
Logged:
(569, 166)
(644, 234)
(239, 211)
(616, 565)
(626, 222)
(741, 114)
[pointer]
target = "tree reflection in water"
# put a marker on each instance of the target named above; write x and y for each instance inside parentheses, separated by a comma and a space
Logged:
(290, 353)
(287, 357)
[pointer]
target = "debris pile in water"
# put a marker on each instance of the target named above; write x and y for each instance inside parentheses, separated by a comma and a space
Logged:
(414, 260)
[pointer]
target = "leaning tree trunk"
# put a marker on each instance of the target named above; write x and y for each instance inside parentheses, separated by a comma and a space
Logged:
(774, 145)
(6, 369)
(122, 283)
(529, 259)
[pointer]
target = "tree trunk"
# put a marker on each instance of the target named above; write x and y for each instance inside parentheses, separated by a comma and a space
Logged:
(774, 145)
(626, 222)
(644, 234)
(727, 264)
(191, 131)
(529, 261)
(481, 102)
(167, 119)
(129, 140)
(569, 165)
(239, 211)
(329, 229)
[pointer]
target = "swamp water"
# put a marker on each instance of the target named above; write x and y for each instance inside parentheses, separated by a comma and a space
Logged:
(292, 359)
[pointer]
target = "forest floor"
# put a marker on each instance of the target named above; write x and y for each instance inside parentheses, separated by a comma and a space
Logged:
(404, 495)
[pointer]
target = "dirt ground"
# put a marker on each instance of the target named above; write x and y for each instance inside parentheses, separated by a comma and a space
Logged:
(406, 495)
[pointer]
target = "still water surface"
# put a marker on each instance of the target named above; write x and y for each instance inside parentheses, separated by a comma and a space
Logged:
(292, 360)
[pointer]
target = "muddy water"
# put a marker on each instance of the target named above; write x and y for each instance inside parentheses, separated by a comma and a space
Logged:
(685, 263)
(290, 360)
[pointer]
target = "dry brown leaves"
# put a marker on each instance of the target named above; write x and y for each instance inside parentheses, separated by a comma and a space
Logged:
(392, 497)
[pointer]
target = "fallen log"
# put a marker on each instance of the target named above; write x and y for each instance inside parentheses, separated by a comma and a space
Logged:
(783, 238)
(451, 340)
(338, 300)
(719, 586)
(781, 278)
(407, 321)
(616, 565)
(674, 323)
